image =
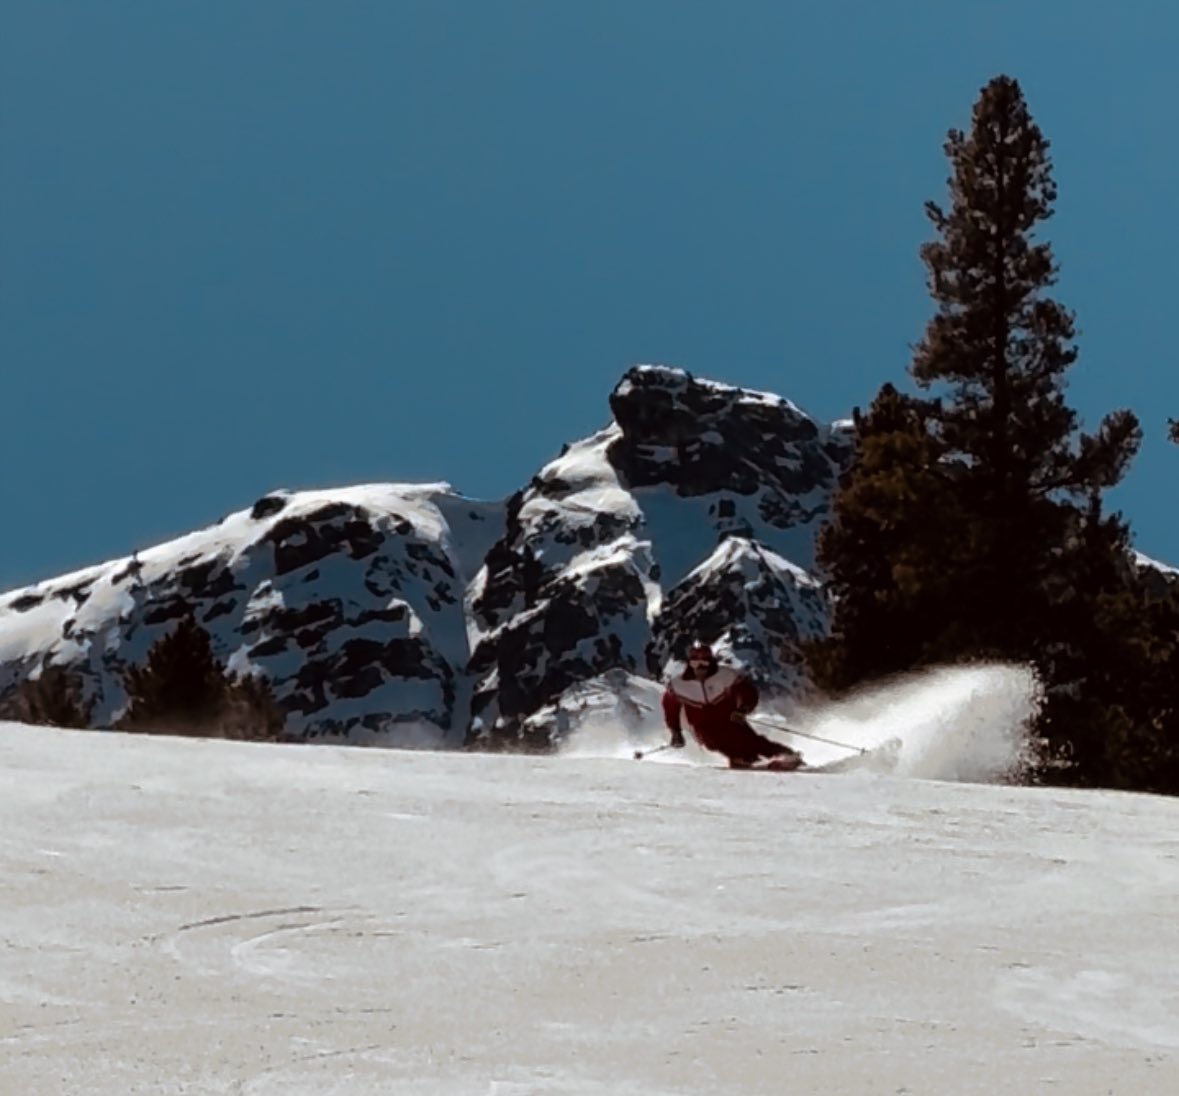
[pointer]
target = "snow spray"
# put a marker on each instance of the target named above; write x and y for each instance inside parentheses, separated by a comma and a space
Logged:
(958, 723)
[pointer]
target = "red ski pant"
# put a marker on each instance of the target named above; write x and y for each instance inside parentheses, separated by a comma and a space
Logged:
(737, 741)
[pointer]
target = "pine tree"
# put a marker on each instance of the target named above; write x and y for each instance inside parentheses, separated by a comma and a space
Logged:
(884, 548)
(183, 689)
(1002, 346)
(983, 501)
(55, 698)
(251, 711)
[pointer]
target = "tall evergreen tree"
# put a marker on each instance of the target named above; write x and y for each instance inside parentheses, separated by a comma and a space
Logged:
(1002, 347)
(993, 543)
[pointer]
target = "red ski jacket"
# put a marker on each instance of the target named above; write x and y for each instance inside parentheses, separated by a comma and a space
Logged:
(709, 706)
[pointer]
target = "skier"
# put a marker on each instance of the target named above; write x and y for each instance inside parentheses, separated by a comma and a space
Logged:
(716, 700)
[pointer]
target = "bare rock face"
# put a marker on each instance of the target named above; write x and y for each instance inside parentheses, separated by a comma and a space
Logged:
(409, 615)
(701, 437)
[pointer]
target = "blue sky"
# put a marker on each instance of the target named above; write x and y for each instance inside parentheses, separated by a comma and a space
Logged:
(288, 243)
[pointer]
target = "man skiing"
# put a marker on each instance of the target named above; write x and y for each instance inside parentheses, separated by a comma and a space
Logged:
(716, 700)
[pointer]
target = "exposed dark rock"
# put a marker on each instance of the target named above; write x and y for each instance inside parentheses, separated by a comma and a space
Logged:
(272, 646)
(133, 569)
(395, 614)
(77, 593)
(534, 658)
(328, 613)
(209, 579)
(1159, 580)
(702, 437)
(173, 608)
(221, 608)
(267, 506)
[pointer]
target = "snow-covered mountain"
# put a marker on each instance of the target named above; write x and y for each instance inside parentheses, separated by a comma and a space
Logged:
(351, 601)
(412, 615)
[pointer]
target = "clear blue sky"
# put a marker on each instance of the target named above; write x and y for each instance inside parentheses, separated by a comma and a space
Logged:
(274, 243)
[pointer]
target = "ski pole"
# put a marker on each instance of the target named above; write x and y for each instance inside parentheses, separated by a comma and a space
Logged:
(640, 754)
(804, 734)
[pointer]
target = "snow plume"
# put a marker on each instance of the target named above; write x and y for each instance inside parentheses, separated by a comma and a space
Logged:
(611, 716)
(956, 723)
(961, 723)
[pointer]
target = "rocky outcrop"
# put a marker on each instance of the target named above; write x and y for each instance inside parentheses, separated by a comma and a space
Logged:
(751, 605)
(584, 620)
(703, 437)
(686, 468)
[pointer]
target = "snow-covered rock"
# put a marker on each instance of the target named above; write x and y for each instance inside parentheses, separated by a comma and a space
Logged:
(755, 605)
(1159, 578)
(351, 602)
(411, 615)
(693, 514)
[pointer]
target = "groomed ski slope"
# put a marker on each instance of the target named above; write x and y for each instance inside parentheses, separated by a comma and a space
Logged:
(191, 916)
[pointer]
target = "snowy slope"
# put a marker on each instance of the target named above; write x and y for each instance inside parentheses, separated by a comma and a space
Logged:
(508, 926)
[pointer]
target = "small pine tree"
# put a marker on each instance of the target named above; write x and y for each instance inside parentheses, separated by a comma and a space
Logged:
(55, 698)
(251, 711)
(183, 689)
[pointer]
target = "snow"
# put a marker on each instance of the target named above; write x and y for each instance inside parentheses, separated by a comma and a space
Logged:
(583, 463)
(1147, 561)
(34, 630)
(474, 526)
(589, 488)
(675, 377)
(197, 916)
(738, 551)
